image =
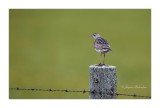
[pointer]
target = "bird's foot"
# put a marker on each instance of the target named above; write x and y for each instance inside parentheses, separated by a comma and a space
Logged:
(100, 64)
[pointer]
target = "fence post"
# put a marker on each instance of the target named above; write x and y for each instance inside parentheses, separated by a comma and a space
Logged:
(103, 82)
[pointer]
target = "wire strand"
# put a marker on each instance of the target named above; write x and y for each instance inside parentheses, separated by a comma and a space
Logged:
(80, 91)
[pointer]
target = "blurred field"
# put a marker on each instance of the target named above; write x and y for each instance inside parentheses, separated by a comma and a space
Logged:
(52, 49)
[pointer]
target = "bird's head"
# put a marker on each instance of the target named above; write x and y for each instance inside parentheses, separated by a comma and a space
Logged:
(95, 35)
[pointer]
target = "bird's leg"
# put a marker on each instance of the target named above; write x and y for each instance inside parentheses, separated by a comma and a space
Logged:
(100, 60)
(103, 59)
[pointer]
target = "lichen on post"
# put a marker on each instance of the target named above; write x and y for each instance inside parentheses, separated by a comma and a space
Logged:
(103, 82)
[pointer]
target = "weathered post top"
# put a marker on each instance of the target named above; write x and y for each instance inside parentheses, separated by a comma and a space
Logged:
(103, 82)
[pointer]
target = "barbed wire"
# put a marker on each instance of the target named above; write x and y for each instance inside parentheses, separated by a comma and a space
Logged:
(80, 91)
(51, 90)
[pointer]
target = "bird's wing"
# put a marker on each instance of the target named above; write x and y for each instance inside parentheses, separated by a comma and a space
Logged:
(102, 43)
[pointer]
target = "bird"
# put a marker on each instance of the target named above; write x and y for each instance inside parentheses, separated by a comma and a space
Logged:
(102, 46)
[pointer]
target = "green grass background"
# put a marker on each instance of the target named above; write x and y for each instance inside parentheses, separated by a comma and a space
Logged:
(52, 49)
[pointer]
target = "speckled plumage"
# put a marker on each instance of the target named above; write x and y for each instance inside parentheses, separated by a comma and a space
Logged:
(101, 45)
